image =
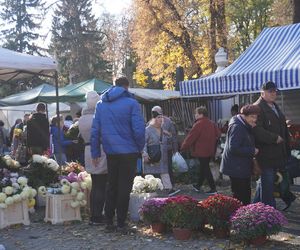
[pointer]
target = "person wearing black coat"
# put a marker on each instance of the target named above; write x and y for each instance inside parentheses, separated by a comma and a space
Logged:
(239, 151)
(272, 140)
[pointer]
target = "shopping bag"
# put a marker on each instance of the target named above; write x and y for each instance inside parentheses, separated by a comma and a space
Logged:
(179, 164)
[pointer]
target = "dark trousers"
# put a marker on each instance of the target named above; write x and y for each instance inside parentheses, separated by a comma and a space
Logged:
(121, 172)
(97, 197)
(241, 189)
(170, 168)
(205, 173)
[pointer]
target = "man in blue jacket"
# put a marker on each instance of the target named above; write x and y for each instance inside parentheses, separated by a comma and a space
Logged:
(119, 126)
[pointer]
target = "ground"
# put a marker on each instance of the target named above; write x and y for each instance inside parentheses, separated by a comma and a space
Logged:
(79, 235)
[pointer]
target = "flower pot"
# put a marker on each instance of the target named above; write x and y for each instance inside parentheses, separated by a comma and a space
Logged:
(222, 233)
(258, 241)
(182, 233)
(135, 202)
(158, 227)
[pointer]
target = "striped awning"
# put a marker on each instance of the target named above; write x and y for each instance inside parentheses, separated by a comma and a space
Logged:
(273, 56)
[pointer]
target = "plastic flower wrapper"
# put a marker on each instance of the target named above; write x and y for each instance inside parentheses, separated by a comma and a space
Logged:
(42, 191)
(83, 203)
(83, 175)
(83, 185)
(75, 204)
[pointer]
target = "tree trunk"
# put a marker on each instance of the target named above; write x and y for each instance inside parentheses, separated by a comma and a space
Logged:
(221, 24)
(296, 12)
(212, 32)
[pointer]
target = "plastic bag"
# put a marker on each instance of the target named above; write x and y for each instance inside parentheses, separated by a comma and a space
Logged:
(179, 164)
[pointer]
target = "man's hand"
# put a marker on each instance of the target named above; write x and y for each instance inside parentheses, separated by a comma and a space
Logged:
(256, 151)
(96, 161)
(279, 140)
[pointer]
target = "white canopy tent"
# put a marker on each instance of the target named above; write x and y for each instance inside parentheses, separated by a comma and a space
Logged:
(14, 65)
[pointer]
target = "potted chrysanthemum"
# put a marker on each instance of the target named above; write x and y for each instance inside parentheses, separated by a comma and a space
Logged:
(254, 222)
(218, 209)
(183, 215)
(142, 190)
(151, 212)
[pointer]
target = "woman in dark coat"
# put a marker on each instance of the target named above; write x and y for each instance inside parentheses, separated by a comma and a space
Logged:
(239, 151)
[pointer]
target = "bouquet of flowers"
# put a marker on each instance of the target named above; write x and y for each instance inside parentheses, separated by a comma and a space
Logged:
(218, 209)
(9, 163)
(182, 212)
(72, 167)
(149, 184)
(152, 210)
(41, 171)
(14, 189)
(254, 220)
(75, 187)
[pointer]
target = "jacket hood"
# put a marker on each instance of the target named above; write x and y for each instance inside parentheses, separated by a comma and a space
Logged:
(237, 119)
(115, 93)
(87, 111)
(38, 116)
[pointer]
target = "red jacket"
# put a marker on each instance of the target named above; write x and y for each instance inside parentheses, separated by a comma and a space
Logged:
(202, 138)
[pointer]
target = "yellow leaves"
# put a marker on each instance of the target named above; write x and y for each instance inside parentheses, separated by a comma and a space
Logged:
(140, 78)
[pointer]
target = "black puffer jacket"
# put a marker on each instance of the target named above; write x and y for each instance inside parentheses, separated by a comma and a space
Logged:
(38, 131)
(269, 127)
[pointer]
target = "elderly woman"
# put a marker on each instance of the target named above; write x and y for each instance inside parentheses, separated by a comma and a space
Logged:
(155, 135)
(98, 173)
(239, 151)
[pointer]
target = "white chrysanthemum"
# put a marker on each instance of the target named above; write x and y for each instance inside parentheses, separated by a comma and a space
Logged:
(138, 187)
(7, 157)
(9, 162)
(44, 159)
(153, 184)
(37, 158)
(15, 185)
(33, 192)
(9, 201)
(74, 192)
(8, 190)
(22, 181)
(75, 185)
(17, 164)
(80, 196)
(138, 178)
(149, 176)
(42, 189)
(25, 194)
(75, 204)
(83, 185)
(14, 175)
(64, 182)
(17, 198)
(2, 197)
(52, 164)
(3, 205)
(88, 182)
(83, 175)
(83, 203)
(65, 189)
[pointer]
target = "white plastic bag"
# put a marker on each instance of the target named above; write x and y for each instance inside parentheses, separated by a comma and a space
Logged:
(179, 164)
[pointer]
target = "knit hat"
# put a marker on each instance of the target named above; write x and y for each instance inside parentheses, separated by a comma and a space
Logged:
(92, 98)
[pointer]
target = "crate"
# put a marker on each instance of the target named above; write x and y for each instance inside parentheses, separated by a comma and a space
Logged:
(16, 213)
(59, 210)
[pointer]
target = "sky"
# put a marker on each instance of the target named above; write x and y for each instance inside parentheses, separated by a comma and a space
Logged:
(115, 7)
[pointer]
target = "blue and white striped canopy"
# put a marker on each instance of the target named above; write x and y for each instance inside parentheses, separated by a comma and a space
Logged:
(273, 56)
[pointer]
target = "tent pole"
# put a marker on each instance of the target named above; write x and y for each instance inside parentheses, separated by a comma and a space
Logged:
(47, 112)
(182, 110)
(58, 119)
(282, 107)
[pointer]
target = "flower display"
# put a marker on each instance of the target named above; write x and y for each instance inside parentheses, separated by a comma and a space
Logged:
(72, 167)
(14, 189)
(42, 171)
(254, 220)
(9, 163)
(182, 212)
(218, 209)
(152, 210)
(149, 184)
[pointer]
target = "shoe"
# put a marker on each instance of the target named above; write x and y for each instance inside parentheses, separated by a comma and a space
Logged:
(197, 188)
(212, 191)
(125, 229)
(110, 228)
(96, 223)
(172, 192)
(289, 202)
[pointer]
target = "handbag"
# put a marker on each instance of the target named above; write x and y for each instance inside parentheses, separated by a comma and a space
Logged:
(154, 151)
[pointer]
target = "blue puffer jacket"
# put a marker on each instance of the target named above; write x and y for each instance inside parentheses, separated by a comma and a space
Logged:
(237, 159)
(64, 142)
(119, 123)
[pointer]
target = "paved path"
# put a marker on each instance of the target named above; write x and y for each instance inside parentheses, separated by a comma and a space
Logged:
(79, 235)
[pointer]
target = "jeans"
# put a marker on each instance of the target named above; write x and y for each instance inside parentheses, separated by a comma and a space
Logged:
(265, 187)
(241, 189)
(170, 167)
(121, 172)
(205, 173)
